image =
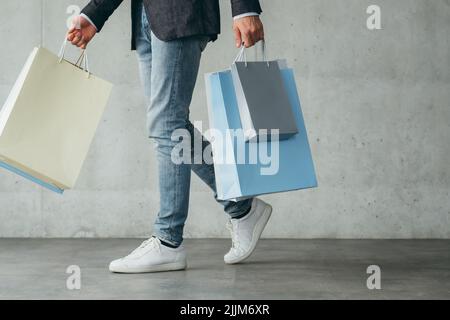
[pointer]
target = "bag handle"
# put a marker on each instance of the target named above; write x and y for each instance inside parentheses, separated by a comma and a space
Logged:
(242, 57)
(83, 58)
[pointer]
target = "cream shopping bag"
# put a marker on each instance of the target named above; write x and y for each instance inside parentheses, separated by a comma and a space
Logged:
(50, 118)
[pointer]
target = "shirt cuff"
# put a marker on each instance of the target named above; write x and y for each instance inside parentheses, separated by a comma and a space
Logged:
(88, 19)
(248, 14)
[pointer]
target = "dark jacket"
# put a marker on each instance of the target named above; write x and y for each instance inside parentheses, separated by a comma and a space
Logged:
(172, 19)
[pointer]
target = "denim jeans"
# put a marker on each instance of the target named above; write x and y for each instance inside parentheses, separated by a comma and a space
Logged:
(168, 72)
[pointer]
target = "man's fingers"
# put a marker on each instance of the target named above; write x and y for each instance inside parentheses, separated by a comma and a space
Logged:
(82, 45)
(79, 43)
(237, 36)
(75, 40)
(78, 40)
(258, 34)
(71, 36)
(80, 35)
(249, 30)
(261, 34)
(248, 40)
(75, 34)
(72, 33)
(75, 29)
(245, 39)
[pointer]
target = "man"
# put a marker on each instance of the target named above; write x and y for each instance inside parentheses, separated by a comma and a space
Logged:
(169, 37)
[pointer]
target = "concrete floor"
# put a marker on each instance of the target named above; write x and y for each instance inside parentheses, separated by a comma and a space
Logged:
(279, 269)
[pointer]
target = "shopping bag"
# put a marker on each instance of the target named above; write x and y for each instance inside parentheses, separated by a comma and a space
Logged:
(50, 117)
(292, 169)
(262, 99)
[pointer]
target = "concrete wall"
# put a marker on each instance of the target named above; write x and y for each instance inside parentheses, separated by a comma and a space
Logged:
(377, 106)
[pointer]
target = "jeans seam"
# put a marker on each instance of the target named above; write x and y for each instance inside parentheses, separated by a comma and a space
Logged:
(174, 90)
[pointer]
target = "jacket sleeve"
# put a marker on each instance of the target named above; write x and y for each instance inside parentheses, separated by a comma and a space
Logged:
(244, 6)
(100, 10)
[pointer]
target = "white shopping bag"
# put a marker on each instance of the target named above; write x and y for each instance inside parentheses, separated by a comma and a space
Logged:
(50, 118)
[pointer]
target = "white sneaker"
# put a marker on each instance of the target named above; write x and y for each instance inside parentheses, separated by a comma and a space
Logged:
(151, 256)
(246, 232)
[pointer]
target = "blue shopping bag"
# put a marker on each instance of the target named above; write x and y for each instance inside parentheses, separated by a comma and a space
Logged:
(40, 182)
(237, 180)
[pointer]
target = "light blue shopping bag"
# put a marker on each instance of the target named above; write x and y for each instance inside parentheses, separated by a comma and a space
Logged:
(31, 178)
(236, 180)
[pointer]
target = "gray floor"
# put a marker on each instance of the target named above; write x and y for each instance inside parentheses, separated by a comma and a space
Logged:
(280, 269)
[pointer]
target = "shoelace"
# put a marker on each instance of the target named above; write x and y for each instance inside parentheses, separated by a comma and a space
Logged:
(152, 243)
(234, 236)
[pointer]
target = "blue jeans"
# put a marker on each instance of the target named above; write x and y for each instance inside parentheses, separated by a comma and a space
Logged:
(168, 72)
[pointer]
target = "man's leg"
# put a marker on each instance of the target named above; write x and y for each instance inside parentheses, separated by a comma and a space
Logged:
(168, 71)
(175, 67)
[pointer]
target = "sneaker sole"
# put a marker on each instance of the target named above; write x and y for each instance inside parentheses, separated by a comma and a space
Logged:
(259, 228)
(175, 266)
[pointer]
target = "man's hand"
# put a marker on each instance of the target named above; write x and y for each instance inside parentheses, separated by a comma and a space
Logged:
(81, 32)
(248, 31)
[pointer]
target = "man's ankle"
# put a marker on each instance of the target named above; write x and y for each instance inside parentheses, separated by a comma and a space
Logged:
(242, 215)
(166, 244)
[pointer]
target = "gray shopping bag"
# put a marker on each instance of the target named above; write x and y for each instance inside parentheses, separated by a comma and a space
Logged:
(262, 99)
